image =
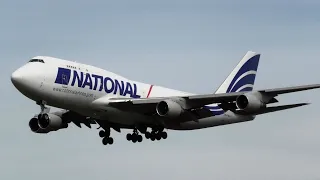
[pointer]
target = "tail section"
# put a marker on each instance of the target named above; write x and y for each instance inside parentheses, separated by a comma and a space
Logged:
(243, 76)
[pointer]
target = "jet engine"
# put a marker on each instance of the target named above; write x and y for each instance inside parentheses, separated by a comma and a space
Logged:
(169, 108)
(249, 102)
(46, 123)
(34, 126)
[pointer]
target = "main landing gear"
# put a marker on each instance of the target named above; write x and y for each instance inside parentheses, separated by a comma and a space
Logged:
(134, 137)
(105, 135)
(156, 135)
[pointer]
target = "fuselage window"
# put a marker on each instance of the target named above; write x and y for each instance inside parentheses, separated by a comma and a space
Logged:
(36, 60)
(73, 67)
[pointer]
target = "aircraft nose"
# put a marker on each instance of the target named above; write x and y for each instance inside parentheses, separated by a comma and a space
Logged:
(17, 77)
(28, 79)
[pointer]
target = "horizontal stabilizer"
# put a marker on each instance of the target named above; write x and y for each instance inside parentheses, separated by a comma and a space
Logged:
(275, 108)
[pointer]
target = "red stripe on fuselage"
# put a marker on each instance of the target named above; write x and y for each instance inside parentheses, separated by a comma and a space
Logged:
(149, 91)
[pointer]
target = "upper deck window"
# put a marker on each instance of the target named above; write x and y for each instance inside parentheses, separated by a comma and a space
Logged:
(36, 60)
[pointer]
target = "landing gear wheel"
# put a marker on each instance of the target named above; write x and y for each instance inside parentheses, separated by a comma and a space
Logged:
(129, 137)
(158, 136)
(152, 138)
(102, 133)
(147, 135)
(110, 140)
(164, 135)
(134, 138)
(105, 133)
(105, 141)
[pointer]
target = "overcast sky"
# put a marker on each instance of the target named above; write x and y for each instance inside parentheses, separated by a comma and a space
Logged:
(182, 44)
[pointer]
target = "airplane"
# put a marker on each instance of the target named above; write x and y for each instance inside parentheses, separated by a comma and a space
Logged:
(88, 95)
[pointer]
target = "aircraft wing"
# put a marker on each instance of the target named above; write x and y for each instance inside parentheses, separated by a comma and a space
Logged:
(147, 105)
(230, 97)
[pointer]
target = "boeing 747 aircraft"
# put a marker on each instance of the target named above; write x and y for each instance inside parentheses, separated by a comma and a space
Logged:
(90, 95)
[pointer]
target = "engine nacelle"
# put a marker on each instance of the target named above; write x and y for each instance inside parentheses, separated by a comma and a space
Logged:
(249, 102)
(169, 108)
(51, 122)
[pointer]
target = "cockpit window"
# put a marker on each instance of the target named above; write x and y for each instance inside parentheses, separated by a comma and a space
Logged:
(36, 60)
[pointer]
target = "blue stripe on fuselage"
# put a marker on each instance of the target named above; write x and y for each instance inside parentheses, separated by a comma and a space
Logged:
(216, 110)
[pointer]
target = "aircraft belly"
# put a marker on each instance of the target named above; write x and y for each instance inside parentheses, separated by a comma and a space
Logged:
(117, 116)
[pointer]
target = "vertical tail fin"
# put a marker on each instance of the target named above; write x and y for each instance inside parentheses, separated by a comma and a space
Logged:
(240, 79)
(243, 76)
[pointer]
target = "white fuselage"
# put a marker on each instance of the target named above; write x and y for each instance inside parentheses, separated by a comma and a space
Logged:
(75, 86)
